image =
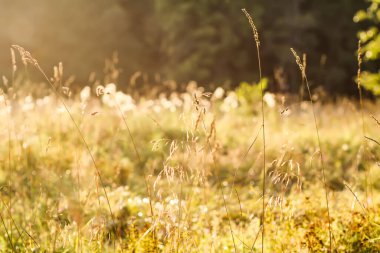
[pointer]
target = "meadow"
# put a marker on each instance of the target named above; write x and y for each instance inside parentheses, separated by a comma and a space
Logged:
(104, 170)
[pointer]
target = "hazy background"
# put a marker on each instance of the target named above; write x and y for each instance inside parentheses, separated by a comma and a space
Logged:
(209, 41)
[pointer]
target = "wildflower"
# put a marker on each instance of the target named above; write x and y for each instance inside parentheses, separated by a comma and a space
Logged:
(110, 88)
(28, 104)
(269, 99)
(230, 102)
(218, 93)
(85, 94)
(125, 101)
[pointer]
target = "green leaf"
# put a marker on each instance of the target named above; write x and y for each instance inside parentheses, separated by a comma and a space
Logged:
(360, 16)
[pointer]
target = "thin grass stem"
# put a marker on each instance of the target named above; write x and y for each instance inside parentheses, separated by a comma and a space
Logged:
(256, 37)
(303, 72)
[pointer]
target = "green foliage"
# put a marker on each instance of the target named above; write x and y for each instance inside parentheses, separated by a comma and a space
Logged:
(360, 234)
(249, 94)
(370, 37)
(208, 40)
(371, 81)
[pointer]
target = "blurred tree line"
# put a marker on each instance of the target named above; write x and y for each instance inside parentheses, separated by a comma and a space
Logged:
(208, 41)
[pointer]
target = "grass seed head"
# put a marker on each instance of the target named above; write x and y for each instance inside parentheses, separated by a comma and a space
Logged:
(13, 56)
(298, 61)
(99, 90)
(5, 81)
(26, 57)
(360, 60)
(254, 29)
(60, 69)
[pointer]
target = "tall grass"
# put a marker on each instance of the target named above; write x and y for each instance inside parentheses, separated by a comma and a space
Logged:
(100, 91)
(27, 58)
(257, 41)
(198, 151)
(302, 67)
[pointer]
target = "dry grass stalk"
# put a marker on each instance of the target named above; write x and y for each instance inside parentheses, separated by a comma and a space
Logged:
(373, 140)
(356, 198)
(376, 120)
(27, 58)
(256, 37)
(303, 71)
(200, 119)
(10, 123)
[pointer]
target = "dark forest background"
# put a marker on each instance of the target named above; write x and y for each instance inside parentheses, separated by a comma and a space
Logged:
(208, 41)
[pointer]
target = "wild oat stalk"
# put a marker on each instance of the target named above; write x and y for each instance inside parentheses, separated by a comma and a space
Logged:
(256, 37)
(303, 72)
(26, 58)
(202, 112)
